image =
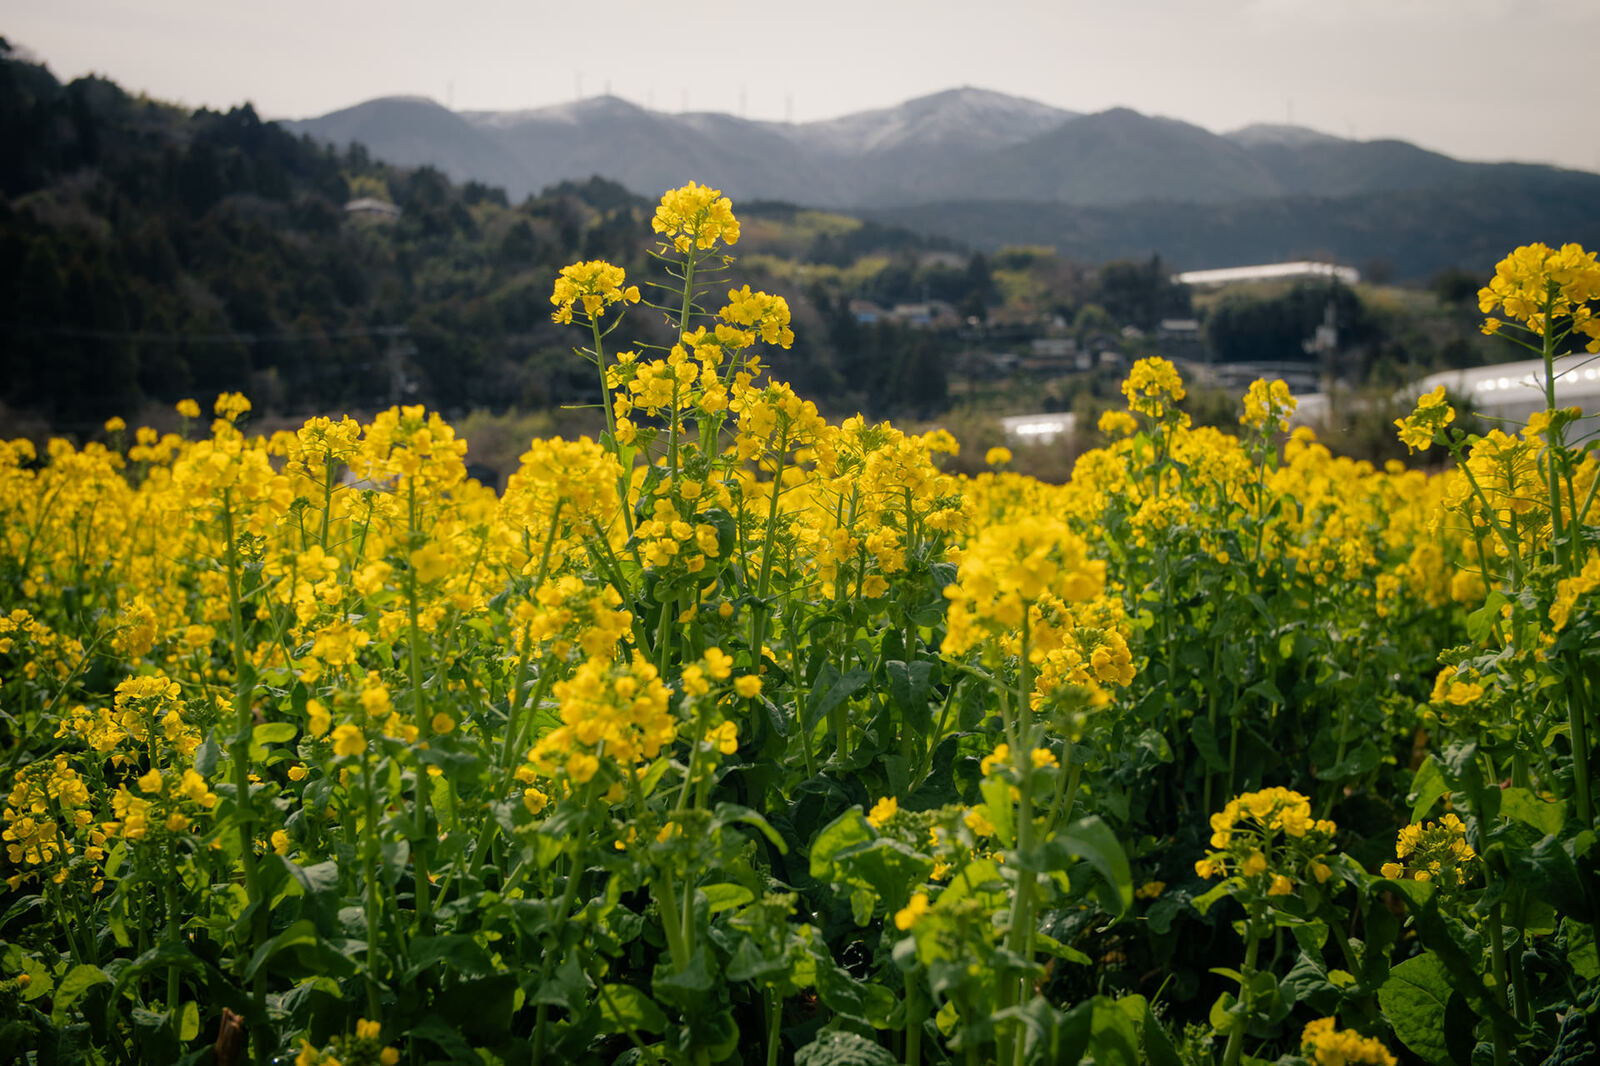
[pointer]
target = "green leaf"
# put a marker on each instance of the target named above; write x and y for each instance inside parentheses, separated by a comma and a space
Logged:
(1481, 621)
(979, 878)
(273, 733)
(997, 808)
(734, 814)
(1549, 873)
(686, 986)
(624, 1008)
(461, 955)
(1356, 764)
(1307, 980)
(1522, 805)
(1426, 788)
(206, 755)
(1112, 1036)
(447, 1037)
(160, 958)
(1091, 840)
(831, 690)
(301, 932)
(189, 1021)
(1204, 735)
(847, 830)
(1414, 998)
(1581, 953)
(319, 882)
(725, 896)
(79, 980)
(566, 987)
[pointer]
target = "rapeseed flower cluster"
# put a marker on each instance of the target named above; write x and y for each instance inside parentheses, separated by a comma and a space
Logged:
(1007, 570)
(1267, 404)
(1432, 414)
(1433, 851)
(696, 217)
(610, 713)
(1536, 285)
(590, 288)
(1269, 839)
(1153, 388)
(49, 824)
(1325, 1044)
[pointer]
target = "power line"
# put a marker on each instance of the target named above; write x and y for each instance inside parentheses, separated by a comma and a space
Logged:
(203, 338)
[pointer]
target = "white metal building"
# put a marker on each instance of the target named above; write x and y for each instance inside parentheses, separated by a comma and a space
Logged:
(1514, 391)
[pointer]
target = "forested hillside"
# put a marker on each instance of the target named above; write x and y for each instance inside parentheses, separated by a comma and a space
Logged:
(159, 253)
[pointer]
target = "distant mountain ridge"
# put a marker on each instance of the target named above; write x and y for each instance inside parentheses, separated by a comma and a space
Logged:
(962, 144)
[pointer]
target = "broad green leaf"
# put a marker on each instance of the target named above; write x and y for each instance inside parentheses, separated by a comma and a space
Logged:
(997, 808)
(980, 877)
(206, 755)
(566, 986)
(79, 980)
(1481, 621)
(1091, 840)
(725, 896)
(1204, 735)
(624, 1008)
(735, 814)
(686, 986)
(1426, 788)
(1414, 999)
(273, 733)
(847, 830)
(831, 690)
(301, 932)
(461, 955)
(1523, 806)
(1112, 1036)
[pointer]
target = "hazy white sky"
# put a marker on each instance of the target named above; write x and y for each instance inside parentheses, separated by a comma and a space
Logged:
(1480, 79)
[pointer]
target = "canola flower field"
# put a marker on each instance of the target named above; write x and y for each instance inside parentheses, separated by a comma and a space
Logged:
(739, 736)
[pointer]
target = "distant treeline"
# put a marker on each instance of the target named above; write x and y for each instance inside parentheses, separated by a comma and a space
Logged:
(158, 253)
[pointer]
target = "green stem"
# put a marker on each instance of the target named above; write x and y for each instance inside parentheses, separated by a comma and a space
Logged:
(239, 756)
(667, 899)
(541, 1017)
(774, 1023)
(1241, 1022)
(420, 848)
(1519, 982)
(1020, 933)
(1497, 955)
(369, 875)
(170, 889)
(916, 1011)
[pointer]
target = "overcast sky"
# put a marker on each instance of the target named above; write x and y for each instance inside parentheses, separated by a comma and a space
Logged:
(1479, 79)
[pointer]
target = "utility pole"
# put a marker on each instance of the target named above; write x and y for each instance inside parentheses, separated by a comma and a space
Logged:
(399, 350)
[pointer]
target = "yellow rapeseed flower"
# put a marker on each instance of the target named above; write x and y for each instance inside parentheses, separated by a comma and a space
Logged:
(907, 916)
(348, 740)
(695, 216)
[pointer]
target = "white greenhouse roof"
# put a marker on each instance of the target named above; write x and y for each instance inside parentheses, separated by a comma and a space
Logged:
(1270, 272)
